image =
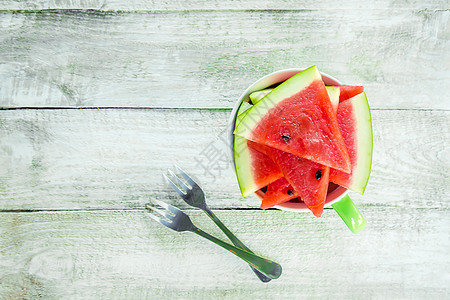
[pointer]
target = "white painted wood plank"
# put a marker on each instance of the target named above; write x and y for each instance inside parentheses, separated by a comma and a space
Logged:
(215, 5)
(114, 158)
(402, 254)
(207, 58)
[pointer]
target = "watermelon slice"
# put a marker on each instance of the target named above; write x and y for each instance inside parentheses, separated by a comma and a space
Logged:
(254, 169)
(349, 91)
(356, 127)
(297, 117)
(278, 192)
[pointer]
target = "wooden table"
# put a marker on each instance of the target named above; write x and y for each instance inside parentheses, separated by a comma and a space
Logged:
(101, 97)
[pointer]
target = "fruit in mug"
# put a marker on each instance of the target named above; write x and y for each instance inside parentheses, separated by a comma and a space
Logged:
(298, 170)
(297, 117)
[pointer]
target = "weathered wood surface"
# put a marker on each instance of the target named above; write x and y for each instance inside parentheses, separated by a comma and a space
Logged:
(402, 254)
(114, 158)
(216, 4)
(73, 182)
(207, 58)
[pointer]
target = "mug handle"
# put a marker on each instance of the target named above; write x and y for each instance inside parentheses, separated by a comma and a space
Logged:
(350, 214)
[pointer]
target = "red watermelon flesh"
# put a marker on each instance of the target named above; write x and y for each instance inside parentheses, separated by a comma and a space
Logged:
(297, 117)
(355, 124)
(278, 192)
(281, 190)
(349, 91)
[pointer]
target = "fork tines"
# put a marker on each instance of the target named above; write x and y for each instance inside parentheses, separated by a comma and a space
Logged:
(184, 188)
(186, 176)
(165, 213)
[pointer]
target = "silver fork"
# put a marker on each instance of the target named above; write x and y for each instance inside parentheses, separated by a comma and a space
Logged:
(179, 221)
(195, 197)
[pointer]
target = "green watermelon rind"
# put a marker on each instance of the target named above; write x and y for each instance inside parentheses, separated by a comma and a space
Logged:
(242, 162)
(291, 86)
(364, 134)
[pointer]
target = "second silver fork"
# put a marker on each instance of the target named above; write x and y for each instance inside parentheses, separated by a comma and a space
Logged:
(195, 197)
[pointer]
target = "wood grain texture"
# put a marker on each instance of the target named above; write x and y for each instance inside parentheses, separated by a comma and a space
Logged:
(207, 58)
(115, 158)
(216, 5)
(401, 254)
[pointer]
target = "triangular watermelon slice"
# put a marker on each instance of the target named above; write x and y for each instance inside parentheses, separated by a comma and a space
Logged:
(356, 126)
(308, 179)
(349, 91)
(254, 170)
(297, 117)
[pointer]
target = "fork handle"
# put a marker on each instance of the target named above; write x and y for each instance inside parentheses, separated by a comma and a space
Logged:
(235, 241)
(225, 230)
(268, 267)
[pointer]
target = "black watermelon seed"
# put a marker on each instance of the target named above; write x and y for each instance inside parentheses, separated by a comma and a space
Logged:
(318, 174)
(290, 192)
(285, 138)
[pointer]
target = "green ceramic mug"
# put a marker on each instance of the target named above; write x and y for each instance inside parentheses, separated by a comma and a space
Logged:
(337, 196)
